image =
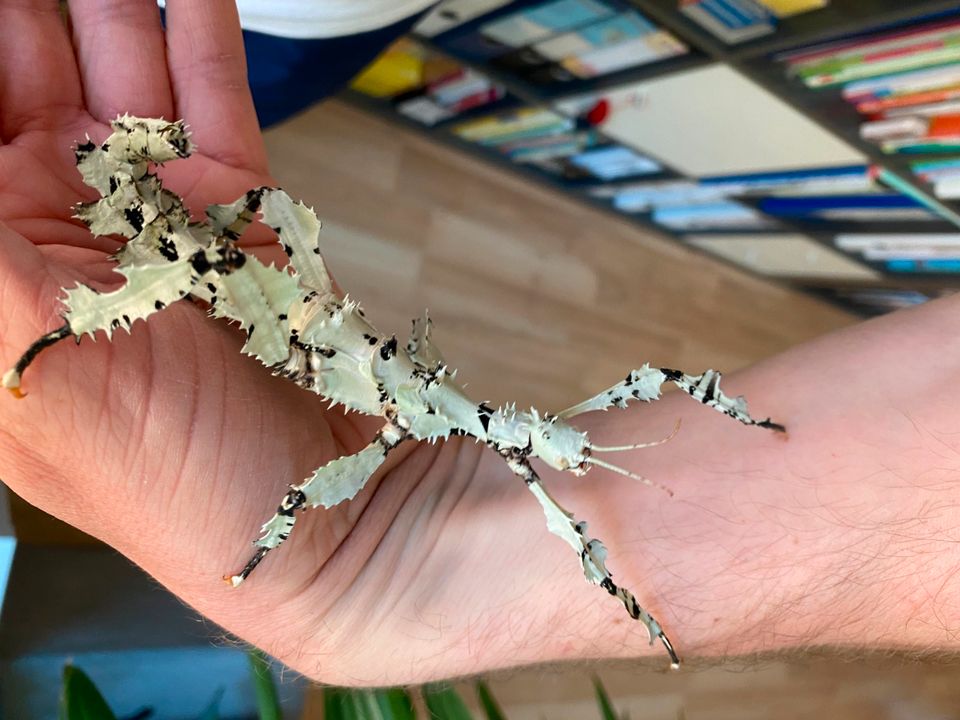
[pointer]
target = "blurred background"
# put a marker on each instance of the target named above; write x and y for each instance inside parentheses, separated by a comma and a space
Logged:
(693, 183)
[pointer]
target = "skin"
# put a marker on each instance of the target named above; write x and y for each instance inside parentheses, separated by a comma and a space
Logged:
(173, 447)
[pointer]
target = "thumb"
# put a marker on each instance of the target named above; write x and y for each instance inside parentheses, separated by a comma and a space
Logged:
(27, 305)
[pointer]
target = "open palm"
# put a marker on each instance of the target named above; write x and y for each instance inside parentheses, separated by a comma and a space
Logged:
(173, 447)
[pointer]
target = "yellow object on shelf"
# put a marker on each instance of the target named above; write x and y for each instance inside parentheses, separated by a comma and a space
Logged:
(785, 8)
(398, 69)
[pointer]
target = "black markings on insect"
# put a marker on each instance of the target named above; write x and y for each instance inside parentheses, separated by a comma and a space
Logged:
(134, 216)
(484, 413)
(231, 259)
(81, 151)
(167, 248)
(709, 394)
(180, 142)
(389, 348)
(294, 500)
(199, 263)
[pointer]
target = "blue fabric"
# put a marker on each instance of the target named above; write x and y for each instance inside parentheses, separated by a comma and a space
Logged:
(288, 76)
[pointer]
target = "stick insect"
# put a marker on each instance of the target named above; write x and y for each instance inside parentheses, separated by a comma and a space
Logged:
(302, 330)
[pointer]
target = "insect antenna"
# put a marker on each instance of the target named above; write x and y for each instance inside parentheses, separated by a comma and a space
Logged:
(627, 473)
(640, 446)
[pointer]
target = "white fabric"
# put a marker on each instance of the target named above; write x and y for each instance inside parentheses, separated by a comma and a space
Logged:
(303, 19)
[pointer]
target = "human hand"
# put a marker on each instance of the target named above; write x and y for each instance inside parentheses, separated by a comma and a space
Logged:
(172, 446)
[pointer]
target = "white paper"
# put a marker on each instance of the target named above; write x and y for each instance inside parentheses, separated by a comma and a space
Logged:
(714, 121)
(783, 256)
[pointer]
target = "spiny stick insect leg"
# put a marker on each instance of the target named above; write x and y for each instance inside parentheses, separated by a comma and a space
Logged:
(705, 388)
(645, 383)
(147, 290)
(229, 221)
(329, 485)
(592, 552)
(11, 379)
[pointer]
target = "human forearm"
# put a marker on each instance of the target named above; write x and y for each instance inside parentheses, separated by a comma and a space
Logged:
(842, 534)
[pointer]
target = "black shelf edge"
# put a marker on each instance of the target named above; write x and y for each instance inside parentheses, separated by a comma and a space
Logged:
(887, 282)
(840, 18)
(506, 103)
(639, 73)
(587, 184)
(830, 228)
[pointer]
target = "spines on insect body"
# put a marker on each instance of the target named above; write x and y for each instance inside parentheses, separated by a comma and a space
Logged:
(298, 229)
(420, 346)
(148, 289)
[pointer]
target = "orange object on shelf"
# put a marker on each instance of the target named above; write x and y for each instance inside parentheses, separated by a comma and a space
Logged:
(944, 126)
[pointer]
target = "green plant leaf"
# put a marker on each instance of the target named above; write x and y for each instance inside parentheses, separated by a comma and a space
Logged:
(606, 707)
(444, 703)
(344, 704)
(268, 706)
(488, 703)
(212, 711)
(379, 705)
(396, 704)
(335, 706)
(81, 700)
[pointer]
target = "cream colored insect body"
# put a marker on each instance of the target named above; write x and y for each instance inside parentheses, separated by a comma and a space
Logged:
(299, 327)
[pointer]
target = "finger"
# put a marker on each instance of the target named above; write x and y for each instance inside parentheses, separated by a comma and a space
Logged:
(39, 82)
(208, 71)
(122, 56)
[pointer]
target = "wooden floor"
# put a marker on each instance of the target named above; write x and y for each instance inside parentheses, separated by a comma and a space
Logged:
(542, 300)
(536, 298)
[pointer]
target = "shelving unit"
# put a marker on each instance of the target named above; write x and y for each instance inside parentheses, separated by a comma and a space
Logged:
(755, 61)
(841, 18)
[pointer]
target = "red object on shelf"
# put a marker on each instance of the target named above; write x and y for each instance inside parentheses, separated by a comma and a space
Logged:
(598, 113)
